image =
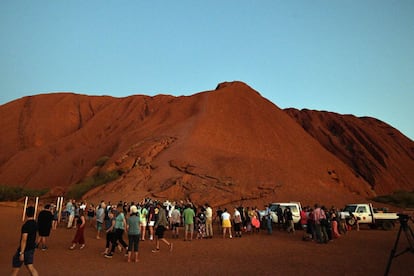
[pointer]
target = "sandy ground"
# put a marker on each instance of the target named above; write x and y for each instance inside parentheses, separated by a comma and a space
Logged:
(363, 252)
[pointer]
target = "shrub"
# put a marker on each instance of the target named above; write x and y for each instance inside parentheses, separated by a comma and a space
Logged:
(10, 193)
(101, 161)
(88, 183)
(401, 199)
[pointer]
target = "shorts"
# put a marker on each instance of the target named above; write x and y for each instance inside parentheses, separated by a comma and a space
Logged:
(175, 225)
(133, 242)
(189, 228)
(28, 258)
(151, 223)
(98, 226)
(143, 223)
(159, 231)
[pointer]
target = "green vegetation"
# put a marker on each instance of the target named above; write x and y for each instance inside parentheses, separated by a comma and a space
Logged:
(88, 183)
(401, 199)
(101, 161)
(9, 193)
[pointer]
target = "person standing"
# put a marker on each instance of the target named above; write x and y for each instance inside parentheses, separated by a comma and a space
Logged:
(268, 218)
(226, 223)
(175, 221)
(79, 236)
(160, 225)
(151, 220)
(209, 221)
(100, 217)
(143, 221)
(70, 213)
(133, 227)
(237, 223)
(44, 223)
(289, 221)
(25, 251)
(188, 216)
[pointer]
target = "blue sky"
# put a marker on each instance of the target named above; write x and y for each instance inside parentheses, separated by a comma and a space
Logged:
(350, 57)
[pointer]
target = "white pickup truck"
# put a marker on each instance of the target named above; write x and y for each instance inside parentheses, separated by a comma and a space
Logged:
(366, 214)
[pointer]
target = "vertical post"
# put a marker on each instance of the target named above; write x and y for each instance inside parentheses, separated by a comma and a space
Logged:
(24, 208)
(36, 204)
(57, 203)
(60, 209)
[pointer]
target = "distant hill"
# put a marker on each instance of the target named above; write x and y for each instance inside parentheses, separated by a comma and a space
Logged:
(225, 146)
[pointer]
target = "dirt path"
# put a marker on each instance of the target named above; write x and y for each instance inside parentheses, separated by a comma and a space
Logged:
(364, 252)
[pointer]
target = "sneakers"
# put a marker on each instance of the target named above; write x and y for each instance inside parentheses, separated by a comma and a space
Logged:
(44, 248)
(109, 255)
(82, 246)
(156, 250)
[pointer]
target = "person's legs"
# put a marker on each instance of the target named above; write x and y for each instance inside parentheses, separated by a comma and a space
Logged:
(191, 231)
(15, 271)
(187, 227)
(32, 270)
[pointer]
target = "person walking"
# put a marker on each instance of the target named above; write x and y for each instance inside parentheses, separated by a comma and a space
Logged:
(79, 236)
(110, 234)
(44, 223)
(160, 226)
(120, 225)
(25, 251)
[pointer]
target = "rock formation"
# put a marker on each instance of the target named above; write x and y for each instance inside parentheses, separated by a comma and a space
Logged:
(225, 146)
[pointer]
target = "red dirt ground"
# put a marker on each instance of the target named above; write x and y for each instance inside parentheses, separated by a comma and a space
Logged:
(363, 252)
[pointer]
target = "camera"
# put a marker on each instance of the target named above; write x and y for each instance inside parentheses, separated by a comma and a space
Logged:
(403, 217)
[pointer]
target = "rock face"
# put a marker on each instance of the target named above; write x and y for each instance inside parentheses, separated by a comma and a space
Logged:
(375, 151)
(226, 146)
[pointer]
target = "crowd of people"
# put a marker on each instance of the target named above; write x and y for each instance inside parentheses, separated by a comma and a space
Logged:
(149, 219)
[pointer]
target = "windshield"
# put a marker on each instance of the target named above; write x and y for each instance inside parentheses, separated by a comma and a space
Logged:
(350, 208)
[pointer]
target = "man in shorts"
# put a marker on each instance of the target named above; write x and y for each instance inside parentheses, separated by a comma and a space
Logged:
(25, 252)
(188, 215)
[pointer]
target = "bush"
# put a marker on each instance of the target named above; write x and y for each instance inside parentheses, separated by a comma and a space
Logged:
(101, 161)
(401, 199)
(87, 184)
(9, 193)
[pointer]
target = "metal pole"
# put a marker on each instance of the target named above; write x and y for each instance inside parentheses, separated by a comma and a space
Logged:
(24, 208)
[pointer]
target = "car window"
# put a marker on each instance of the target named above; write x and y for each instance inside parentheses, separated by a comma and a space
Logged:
(361, 209)
(350, 208)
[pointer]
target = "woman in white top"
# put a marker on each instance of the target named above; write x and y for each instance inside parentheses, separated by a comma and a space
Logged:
(226, 223)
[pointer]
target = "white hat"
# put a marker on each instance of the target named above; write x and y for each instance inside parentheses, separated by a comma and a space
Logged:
(134, 209)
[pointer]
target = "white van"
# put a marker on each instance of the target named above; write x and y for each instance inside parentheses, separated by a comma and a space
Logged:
(295, 208)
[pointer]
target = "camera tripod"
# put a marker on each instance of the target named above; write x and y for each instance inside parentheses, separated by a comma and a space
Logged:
(404, 227)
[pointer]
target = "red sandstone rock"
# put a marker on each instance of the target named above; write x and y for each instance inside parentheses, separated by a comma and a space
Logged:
(229, 145)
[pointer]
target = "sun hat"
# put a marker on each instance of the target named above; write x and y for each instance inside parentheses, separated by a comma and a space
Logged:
(134, 209)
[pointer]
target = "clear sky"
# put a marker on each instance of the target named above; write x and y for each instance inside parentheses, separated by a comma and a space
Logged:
(350, 57)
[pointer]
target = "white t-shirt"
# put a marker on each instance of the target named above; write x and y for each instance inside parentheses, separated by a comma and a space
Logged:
(225, 216)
